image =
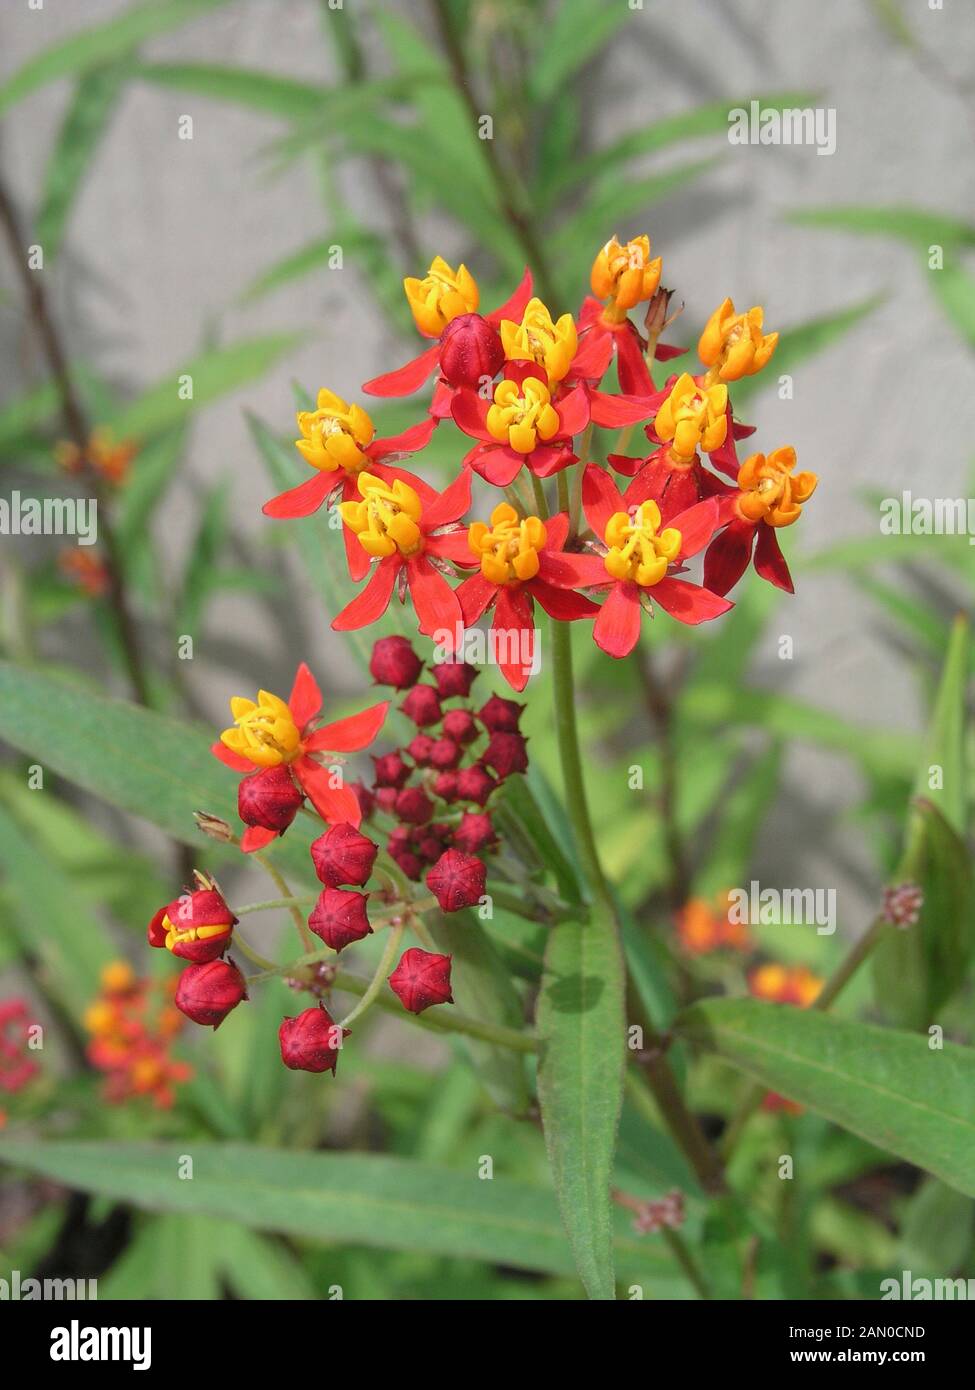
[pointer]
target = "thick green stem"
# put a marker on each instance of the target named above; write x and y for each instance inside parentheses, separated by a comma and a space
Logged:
(379, 978)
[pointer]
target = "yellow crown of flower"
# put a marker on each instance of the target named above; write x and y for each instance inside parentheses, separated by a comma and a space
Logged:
(538, 339)
(694, 417)
(625, 273)
(769, 492)
(638, 549)
(264, 730)
(387, 518)
(522, 415)
(443, 294)
(733, 345)
(508, 548)
(334, 435)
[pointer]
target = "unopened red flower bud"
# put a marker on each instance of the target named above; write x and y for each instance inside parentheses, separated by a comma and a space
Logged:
(506, 753)
(474, 832)
(364, 797)
(410, 863)
(386, 799)
(459, 725)
(445, 754)
(196, 927)
(500, 715)
(269, 798)
(457, 880)
(445, 786)
(422, 978)
(392, 770)
(343, 855)
(207, 993)
(339, 917)
(454, 678)
(471, 351)
(419, 749)
(414, 806)
(475, 784)
(429, 847)
(422, 705)
(394, 662)
(311, 1042)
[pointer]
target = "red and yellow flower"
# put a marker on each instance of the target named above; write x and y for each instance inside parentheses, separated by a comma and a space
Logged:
(524, 424)
(269, 732)
(770, 496)
(622, 275)
(515, 556)
(733, 345)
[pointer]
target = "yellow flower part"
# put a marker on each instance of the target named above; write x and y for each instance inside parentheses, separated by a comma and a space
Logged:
(334, 435)
(508, 548)
(117, 977)
(770, 982)
(387, 518)
(443, 294)
(176, 936)
(624, 273)
(265, 732)
(805, 986)
(638, 549)
(693, 417)
(100, 1019)
(769, 492)
(733, 345)
(538, 339)
(521, 416)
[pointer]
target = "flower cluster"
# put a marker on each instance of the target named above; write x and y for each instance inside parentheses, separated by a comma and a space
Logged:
(16, 1068)
(132, 1023)
(705, 926)
(104, 455)
(526, 387)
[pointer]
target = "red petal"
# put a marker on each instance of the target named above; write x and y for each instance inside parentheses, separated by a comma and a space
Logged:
(727, 557)
(520, 370)
(453, 547)
(470, 412)
(374, 599)
(356, 558)
(573, 411)
(350, 734)
(614, 412)
(334, 804)
(600, 498)
(515, 627)
(302, 500)
(415, 438)
(622, 463)
(556, 530)
(592, 358)
(570, 571)
(451, 505)
(256, 837)
(665, 351)
(474, 596)
(229, 758)
(514, 307)
(407, 379)
(592, 309)
(631, 365)
(688, 602)
(305, 699)
(769, 560)
(436, 604)
(548, 459)
(696, 526)
(497, 464)
(443, 394)
(617, 628)
(563, 604)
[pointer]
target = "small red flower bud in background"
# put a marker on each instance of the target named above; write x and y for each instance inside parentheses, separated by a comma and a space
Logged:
(903, 904)
(394, 662)
(196, 927)
(207, 993)
(414, 806)
(311, 1042)
(391, 770)
(454, 678)
(343, 855)
(506, 753)
(386, 799)
(422, 705)
(475, 784)
(457, 880)
(445, 786)
(339, 917)
(471, 351)
(500, 715)
(364, 797)
(419, 748)
(429, 846)
(445, 753)
(269, 799)
(474, 832)
(422, 978)
(459, 725)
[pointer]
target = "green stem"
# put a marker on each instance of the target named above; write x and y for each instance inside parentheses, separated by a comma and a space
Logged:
(681, 1252)
(253, 956)
(270, 903)
(541, 505)
(297, 917)
(379, 977)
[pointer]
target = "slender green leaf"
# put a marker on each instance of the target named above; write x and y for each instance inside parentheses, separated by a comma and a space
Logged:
(954, 288)
(261, 91)
(914, 225)
(579, 31)
(941, 775)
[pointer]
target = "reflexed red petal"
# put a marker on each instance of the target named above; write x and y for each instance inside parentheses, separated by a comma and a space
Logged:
(374, 599)
(406, 379)
(469, 411)
(573, 411)
(769, 560)
(593, 357)
(305, 699)
(614, 412)
(564, 604)
(520, 370)
(451, 505)
(514, 307)
(334, 804)
(256, 837)
(696, 526)
(631, 365)
(622, 463)
(600, 498)
(302, 500)
(548, 459)
(664, 352)
(556, 530)
(356, 558)
(416, 437)
(617, 628)
(497, 464)
(727, 557)
(229, 758)
(688, 602)
(515, 627)
(443, 394)
(436, 604)
(591, 310)
(474, 596)
(453, 546)
(350, 734)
